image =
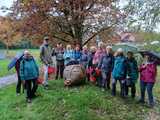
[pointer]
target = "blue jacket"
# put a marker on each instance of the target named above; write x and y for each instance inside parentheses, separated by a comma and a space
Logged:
(106, 63)
(120, 68)
(84, 59)
(28, 69)
(77, 55)
(68, 56)
(90, 59)
(132, 69)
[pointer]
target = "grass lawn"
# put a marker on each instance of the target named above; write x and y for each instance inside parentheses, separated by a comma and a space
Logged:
(3, 68)
(78, 103)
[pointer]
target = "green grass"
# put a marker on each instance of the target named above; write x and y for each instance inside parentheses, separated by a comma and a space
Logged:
(78, 103)
(4, 63)
(3, 68)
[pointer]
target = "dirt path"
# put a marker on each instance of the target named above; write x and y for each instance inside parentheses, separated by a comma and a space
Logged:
(7, 80)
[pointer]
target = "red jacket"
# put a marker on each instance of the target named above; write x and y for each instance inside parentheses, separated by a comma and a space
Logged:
(148, 72)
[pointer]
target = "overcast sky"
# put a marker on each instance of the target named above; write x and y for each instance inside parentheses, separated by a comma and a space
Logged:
(6, 3)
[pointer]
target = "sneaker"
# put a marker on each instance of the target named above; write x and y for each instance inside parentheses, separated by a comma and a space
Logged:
(18, 94)
(102, 89)
(28, 100)
(151, 105)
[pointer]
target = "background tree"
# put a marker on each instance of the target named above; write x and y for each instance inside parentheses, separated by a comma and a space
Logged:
(8, 33)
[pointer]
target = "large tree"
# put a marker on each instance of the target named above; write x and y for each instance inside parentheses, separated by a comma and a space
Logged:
(81, 20)
(67, 20)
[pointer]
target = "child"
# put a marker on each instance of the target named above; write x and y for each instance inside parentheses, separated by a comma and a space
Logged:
(29, 73)
(148, 72)
(132, 73)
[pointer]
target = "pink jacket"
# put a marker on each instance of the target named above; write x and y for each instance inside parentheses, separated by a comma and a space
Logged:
(97, 57)
(148, 73)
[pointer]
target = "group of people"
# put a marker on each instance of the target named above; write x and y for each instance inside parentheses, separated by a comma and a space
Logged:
(113, 66)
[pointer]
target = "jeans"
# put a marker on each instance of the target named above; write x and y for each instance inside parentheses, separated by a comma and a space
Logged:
(149, 86)
(122, 87)
(133, 89)
(105, 79)
(60, 68)
(45, 82)
(31, 88)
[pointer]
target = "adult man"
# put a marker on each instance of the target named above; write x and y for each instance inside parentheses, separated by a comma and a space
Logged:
(46, 58)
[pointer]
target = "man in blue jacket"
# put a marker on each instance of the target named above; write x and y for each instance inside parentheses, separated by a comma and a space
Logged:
(29, 73)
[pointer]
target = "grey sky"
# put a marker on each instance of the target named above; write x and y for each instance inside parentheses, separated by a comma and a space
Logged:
(5, 3)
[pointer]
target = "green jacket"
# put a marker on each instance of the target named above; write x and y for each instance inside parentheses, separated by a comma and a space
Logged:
(28, 69)
(132, 69)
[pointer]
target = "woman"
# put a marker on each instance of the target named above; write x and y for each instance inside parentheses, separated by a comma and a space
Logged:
(58, 52)
(90, 62)
(68, 54)
(99, 53)
(29, 73)
(77, 53)
(132, 74)
(106, 66)
(84, 57)
(148, 72)
(96, 59)
(119, 72)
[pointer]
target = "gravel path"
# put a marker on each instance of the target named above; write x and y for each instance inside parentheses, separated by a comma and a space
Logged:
(8, 80)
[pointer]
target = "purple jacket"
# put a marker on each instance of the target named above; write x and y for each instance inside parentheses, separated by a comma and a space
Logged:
(148, 72)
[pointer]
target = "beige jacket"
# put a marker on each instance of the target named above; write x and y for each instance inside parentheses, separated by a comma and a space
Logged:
(46, 54)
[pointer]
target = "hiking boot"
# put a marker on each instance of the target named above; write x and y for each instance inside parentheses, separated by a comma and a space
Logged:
(140, 101)
(151, 105)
